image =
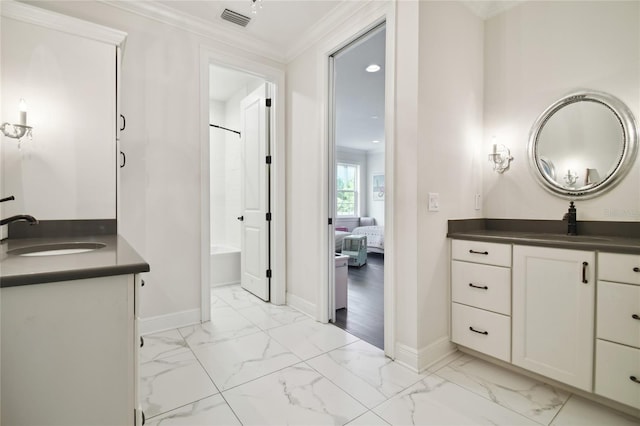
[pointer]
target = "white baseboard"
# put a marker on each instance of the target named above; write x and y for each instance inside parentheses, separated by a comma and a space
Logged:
(168, 321)
(420, 360)
(301, 304)
(223, 284)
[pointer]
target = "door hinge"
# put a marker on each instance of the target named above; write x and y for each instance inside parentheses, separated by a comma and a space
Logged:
(268, 102)
(330, 221)
(268, 159)
(268, 215)
(268, 273)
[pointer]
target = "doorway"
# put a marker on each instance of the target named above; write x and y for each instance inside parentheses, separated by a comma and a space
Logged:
(240, 98)
(357, 182)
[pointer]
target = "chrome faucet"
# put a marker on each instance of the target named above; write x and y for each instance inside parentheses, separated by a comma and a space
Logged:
(32, 220)
(571, 217)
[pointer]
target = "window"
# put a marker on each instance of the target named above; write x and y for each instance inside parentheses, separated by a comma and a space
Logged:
(347, 184)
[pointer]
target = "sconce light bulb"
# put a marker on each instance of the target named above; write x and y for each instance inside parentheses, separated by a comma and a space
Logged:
(23, 112)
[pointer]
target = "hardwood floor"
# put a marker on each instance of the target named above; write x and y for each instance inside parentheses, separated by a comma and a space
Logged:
(364, 315)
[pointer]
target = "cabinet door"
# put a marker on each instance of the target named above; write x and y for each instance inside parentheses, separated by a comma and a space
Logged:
(553, 313)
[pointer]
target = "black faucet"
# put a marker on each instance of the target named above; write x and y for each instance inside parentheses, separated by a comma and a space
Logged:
(32, 220)
(572, 220)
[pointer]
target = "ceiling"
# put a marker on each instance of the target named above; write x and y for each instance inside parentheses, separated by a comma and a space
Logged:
(359, 95)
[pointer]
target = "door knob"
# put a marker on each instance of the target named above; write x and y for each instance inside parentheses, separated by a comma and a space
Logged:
(240, 218)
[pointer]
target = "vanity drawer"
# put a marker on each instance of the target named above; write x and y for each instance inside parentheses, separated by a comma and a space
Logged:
(624, 268)
(492, 335)
(615, 367)
(481, 252)
(483, 286)
(619, 313)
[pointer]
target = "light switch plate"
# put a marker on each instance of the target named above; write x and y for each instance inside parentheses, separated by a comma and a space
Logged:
(434, 202)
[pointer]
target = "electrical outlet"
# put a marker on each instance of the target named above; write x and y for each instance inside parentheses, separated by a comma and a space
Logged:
(434, 202)
(478, 202)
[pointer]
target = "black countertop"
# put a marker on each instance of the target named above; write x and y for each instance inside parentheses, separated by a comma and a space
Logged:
(116, 258)
(614, 237)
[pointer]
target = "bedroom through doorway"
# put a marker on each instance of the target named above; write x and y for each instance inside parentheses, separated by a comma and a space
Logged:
(357, 176)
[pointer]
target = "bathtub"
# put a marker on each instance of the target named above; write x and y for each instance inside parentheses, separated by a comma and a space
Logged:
(225, 265)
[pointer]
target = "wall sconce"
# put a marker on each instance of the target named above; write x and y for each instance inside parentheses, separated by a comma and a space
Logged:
(500, 157)
(571, 177)
(18, 131)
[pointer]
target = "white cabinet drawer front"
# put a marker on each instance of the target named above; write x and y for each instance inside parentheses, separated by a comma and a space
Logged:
(483, 331)
(624, 268)
(482, 286)
(619, 313)
(481, 252)
(616, 365)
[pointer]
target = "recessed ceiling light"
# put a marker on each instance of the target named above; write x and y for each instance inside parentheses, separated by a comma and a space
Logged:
(374, 117)
(375, 141)
(373, 68)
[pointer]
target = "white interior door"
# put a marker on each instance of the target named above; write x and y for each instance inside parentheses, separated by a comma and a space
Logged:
(255, 193)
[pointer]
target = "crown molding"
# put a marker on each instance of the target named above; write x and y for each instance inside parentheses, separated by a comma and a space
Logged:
(338, 15)
(224, 34)
(57, 21)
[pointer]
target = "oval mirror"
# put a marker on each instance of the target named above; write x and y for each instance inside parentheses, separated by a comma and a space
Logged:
(583, 144)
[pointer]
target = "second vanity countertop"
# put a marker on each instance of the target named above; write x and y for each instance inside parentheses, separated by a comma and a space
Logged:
(117, 257)
(614, 237)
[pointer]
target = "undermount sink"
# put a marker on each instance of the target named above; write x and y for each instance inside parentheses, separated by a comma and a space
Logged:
(561, 237)
(56, 249)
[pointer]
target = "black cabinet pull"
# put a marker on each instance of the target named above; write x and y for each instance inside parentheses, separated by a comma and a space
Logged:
(584, 272)
(635, 316)
(124, 122)
(478, 252)
(634, 379)
(141, 283)
(486, 333)
(144, 420)
(636, 269)
(124, 159)
(483, 287)
(240, 218)
(141, 341)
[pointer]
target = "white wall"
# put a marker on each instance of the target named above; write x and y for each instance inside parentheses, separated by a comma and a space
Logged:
(217, 173)
(233, 164)
(375, 165)
(536, 53)
(161, 184)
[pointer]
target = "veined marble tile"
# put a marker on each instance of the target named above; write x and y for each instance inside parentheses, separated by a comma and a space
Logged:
(297, 395)
(237, 361)
(310, 338)
(364, 372)
(582, 412)
(435, 401)
(236, 296)
(444, 361)
(536, 400)
(169, 383)
(216, 302)
(162, 345)
(268, 316)
(226, 323)
(368, 419)
(212, 411)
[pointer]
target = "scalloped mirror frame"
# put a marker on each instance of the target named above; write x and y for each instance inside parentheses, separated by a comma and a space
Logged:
(625, 162)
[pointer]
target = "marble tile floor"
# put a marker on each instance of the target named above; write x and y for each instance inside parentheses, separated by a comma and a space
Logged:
(260, 364)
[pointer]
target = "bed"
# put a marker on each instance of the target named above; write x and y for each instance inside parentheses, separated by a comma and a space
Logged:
(360, 226)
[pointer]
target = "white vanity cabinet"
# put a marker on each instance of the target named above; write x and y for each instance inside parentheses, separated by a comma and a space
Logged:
(481, 297)
(69, 352)
(618, 328)
(553, 313)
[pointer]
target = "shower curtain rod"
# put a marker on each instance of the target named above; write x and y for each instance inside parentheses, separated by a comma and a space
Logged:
(224, 128)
